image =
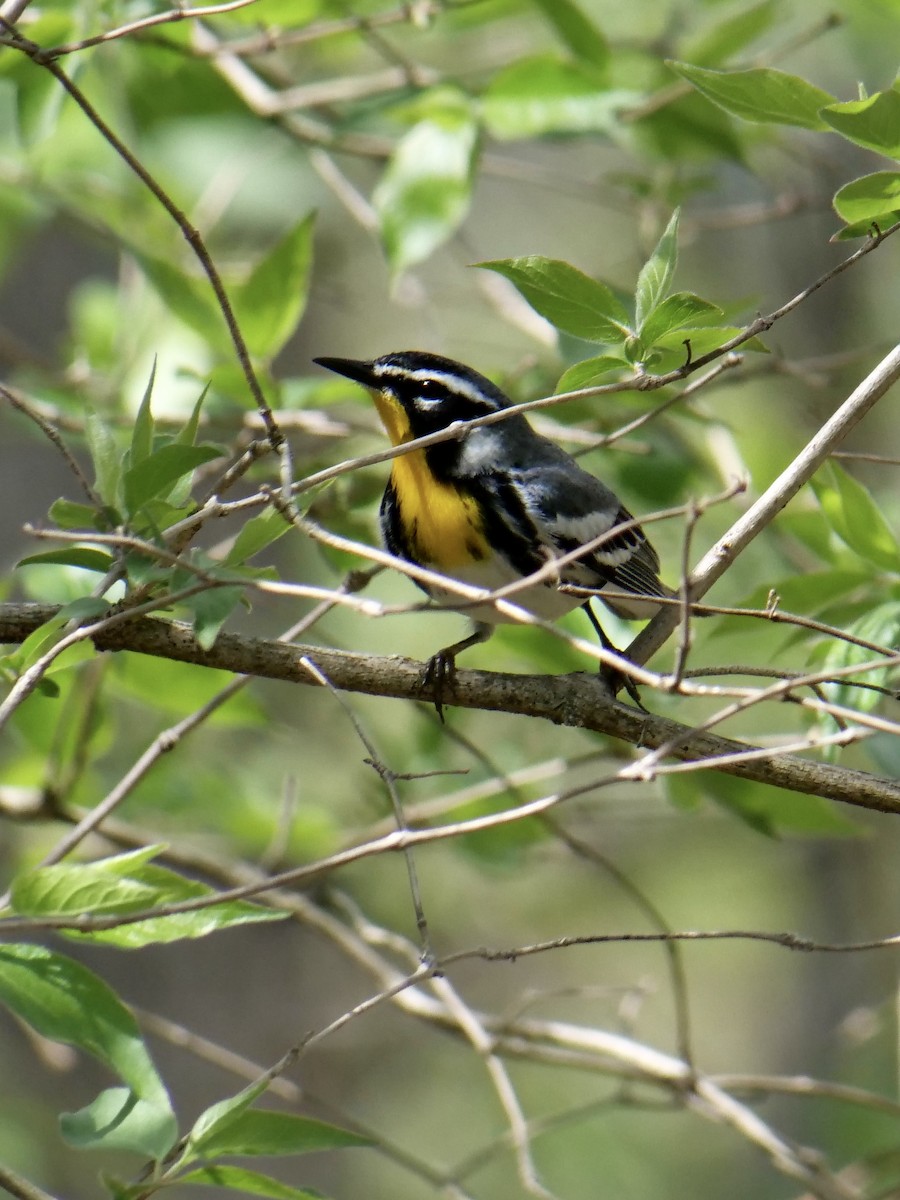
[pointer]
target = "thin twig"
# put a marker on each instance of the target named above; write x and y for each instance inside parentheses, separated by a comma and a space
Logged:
(389, 779)
(39, 57)
(717, 560)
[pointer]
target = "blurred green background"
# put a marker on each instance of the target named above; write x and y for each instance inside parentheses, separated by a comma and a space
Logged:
(581, 143)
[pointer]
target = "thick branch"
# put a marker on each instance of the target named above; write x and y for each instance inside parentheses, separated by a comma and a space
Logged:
(574, 700)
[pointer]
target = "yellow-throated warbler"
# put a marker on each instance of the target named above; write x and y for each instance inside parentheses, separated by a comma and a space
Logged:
(497, 503)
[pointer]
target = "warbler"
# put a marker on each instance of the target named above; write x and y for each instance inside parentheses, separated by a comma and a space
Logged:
(496, 504)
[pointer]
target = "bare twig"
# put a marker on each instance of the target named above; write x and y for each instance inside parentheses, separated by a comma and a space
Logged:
(39, 57)
(717, 560)
(389, 779)
(145, 23)
(21, 1188)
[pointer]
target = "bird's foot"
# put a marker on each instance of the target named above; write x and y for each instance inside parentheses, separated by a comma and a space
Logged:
(616, 680)
(437, 678)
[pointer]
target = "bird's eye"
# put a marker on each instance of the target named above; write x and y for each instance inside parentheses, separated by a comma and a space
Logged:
(429, 394)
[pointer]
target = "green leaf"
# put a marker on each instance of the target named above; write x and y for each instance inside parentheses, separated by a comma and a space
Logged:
(270, 304)
(855, 517)
(720, 41)
(261, 1131)
(424, 193)
(869, 199)
(881, 624)
(688, 130)
(239, 1179)
(67, 514)
(569, 299)
(100, 889)
(125, 884)
(682, 310)
(546, 94)
(45, 637)
(760, 94)
(157, 474)
(864, 229)
(255, 535)
(73, 556)
(655, 276)
(219, 1117)
(589, 372)
(873, 123)
(66, 1002)
(670, 350)
(142, 435)
(189, 297)
(38, 96)
(188, 435)
(105, 455)
(768, 810)
(579, 35)
(119, 1120)
(211, 609)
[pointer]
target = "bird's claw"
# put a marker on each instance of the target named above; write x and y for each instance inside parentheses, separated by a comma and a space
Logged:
(615, 680)
(437, 678)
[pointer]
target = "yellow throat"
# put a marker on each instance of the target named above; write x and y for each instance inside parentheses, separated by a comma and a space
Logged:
(443, 524)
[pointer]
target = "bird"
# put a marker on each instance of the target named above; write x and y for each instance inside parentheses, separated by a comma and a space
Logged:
(496, 504)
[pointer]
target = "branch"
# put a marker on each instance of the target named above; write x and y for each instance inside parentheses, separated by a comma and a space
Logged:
(575, 700)
(21, 1188)
(720, 557)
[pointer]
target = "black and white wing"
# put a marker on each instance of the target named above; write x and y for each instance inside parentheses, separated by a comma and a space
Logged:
(567, 509)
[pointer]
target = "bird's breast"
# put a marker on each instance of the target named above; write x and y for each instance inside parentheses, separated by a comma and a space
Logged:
(441, 524)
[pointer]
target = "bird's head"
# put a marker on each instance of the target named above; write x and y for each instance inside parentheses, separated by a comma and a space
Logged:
(417, 393)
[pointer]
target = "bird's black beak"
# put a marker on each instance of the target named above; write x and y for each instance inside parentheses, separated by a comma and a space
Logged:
(353, 368)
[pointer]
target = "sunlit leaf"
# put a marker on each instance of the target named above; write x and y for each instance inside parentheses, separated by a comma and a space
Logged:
(65, 1002)
(424, 193)
(255, 535)
(854, 516)
(869, 199)
(68, 514)
(715, 43)
(655, 277)
(568, 298)
(85, 557)
(680, 311)
(259, 1131)
(119, 1120)
(546, 94)
(270, 304)
(190, 297)
(155, 475)
(252, 1183)
(578, 34)
(142, 434)
(589, 372)
(873, 123)
(105, 455)
(881, 626)
(122, 885)
(760, 94)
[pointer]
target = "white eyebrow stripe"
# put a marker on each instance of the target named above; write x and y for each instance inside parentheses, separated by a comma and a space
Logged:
(453, 383)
